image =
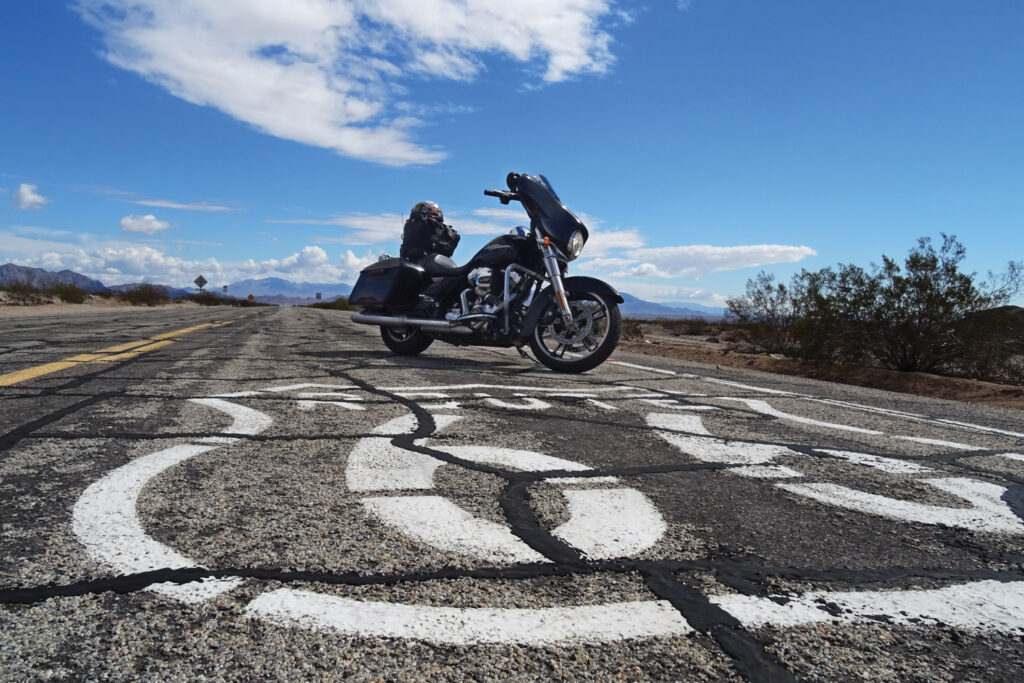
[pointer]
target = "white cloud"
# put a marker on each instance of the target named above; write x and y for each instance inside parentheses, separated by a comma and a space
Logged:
(168, 204)
(702, 259)
(26, 198)
(120, 262)
(147, 224)
(328, 72)
(669, 293)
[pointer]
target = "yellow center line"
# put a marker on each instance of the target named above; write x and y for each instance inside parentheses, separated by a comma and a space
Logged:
(105, 355)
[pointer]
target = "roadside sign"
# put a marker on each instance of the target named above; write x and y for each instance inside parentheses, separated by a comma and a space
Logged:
(200, 282)
(225, 289)
(251, 297)
(318, 296)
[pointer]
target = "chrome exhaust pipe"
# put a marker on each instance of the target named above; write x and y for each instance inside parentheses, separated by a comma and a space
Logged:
(450, 326)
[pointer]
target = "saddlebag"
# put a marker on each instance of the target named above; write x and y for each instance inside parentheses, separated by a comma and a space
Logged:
(391, 282)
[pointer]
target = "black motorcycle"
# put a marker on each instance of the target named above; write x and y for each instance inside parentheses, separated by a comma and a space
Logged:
(513, 292)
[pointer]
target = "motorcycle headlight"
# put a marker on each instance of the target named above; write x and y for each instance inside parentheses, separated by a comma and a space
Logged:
(575, 244)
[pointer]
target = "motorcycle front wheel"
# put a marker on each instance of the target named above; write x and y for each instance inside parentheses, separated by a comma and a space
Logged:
(405, 341)
(594, 334)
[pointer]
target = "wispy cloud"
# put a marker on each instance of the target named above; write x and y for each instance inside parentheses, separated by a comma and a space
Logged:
(168, 204)
(693, 261)
(27, 198)
(330, 73)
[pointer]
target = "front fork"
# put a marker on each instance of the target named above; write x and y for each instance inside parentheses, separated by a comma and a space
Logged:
(555, 275)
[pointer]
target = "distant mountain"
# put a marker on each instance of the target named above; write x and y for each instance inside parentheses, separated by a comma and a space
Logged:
(172, 292)
(277, 287)
(45, 279)
(638, 308)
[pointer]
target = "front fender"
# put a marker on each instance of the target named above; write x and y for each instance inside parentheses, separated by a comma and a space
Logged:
(571, 284)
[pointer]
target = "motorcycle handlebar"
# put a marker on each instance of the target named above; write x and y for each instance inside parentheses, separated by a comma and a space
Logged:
(503, 195)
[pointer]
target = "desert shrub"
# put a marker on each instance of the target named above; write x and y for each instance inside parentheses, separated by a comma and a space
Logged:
(632, 330)
(687, 326)
(23, 294)
(145, 295)
(925, 315)
(339, 304)
(71, 294)
(765, 314)
(208, 299)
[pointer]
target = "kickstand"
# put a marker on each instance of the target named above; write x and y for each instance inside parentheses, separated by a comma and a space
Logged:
(524, 354)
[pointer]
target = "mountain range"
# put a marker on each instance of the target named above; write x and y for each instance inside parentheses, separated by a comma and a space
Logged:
(274, 290)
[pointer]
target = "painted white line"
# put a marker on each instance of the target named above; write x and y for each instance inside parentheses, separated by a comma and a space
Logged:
(674, 403)
(1011, 456)
(891, 465)
(765, 408)
(376, 465)
(502, 387)
(328, 394)
(607, 523)
(981, 428)
(309, 385)
(455, 626)
(421, 394)
(237, 394)
(440, 523)
(988, 512)
(246, 420)
(937, 442)
(524, 403)
(981, 606)
(311, 405)
(700, 444)
(642, 367)
(581, 480)
(217, 439)
(601, 404)
(766, 472)
(105, 521)
(513, 458)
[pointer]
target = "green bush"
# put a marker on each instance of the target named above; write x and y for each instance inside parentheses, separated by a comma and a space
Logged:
(145, 295)
(22, 294)
(339, 304)
(71, 294)
(924, 316)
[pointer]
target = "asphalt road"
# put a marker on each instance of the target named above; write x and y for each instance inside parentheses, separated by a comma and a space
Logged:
(205, 494)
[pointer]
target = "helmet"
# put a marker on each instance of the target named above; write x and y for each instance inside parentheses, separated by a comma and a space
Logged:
(519, 231)
(425, 211)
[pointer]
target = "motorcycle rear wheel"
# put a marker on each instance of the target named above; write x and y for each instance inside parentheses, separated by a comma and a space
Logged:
(598, 326)
(405, 341)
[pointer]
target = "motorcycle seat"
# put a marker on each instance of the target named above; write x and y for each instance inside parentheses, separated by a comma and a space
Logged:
(437, 265)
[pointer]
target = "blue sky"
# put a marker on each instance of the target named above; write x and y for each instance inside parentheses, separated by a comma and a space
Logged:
(701, 141)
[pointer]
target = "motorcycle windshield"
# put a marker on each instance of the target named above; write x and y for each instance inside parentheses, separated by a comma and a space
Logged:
(544, 206)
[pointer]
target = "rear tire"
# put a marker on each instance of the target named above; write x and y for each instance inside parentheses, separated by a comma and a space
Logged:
(598, 327)
(405, 341)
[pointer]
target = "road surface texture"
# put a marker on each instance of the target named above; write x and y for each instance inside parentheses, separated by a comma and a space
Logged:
(253, 494)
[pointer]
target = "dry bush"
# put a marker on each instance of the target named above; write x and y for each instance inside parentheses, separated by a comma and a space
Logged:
(22, 294)
(71, 294)
(145, 295)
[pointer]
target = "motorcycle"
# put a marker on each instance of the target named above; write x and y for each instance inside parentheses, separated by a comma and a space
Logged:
(513, 292)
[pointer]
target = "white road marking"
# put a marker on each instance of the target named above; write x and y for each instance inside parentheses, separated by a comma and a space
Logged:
(601, 404)
(700, 444)
(607, 523)
(237, 394)
(673, 403)
(981, 428)
(988, 512)
(440, 523)
(246, 420)
(937, 442)
(1011, 456)
(765, 408)
(464, 626)
(376, 465)
(891, 465)
(642, 367)
(525, 403)
(512, 458)
(982, 605)
(106, 522)
(311, 405)
(310, 385)
(328, 394)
